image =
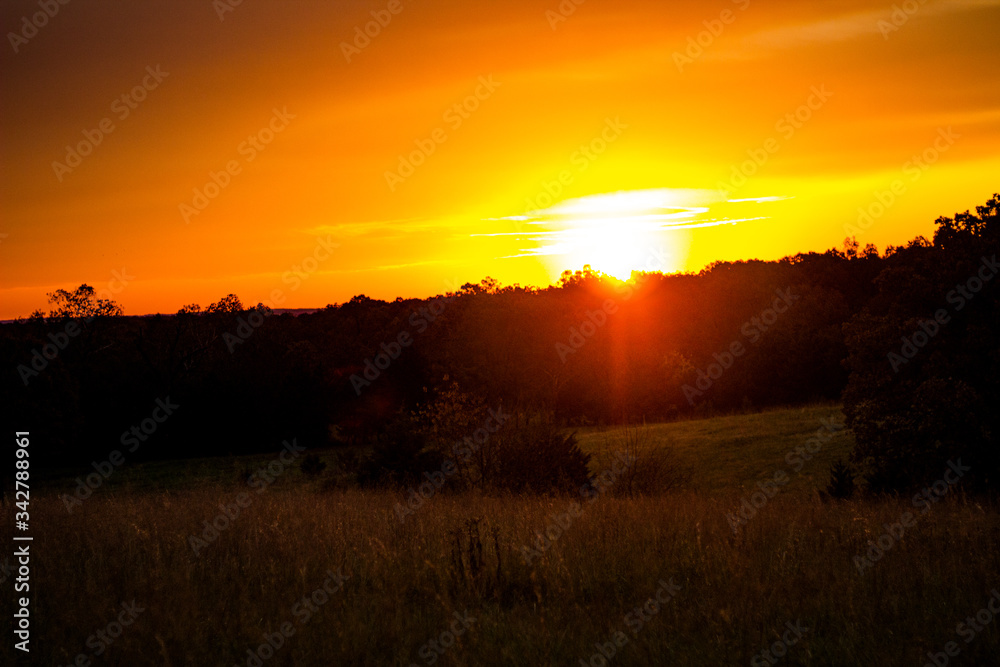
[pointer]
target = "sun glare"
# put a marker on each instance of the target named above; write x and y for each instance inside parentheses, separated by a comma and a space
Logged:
(614, 246)
(621, 232)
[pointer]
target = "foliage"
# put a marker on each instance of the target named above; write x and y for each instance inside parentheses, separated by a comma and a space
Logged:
(81, 303)
(312, 465)
(532, 453)
(495, 450)
(650, 470)
(227, 304)
(399, 456)
(924, 359)
(591, 350)
(841, 480)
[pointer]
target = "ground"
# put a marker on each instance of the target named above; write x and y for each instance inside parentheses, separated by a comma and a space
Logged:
(336, 577)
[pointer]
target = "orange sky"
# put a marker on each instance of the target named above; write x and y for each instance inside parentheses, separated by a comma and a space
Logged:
(664, 130)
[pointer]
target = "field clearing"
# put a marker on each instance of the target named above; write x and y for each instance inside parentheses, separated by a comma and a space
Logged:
(793, 562)
(735, 451)
(398, 585)
(719, 454)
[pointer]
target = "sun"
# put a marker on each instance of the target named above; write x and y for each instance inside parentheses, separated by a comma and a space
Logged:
(615, 247)
(620, 232)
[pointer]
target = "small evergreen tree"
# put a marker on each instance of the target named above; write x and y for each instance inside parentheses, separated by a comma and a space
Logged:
(312, 465)
(841, 480)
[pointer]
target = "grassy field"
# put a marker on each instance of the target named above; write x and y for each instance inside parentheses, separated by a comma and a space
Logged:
(394, 587)
(718, 455)
(727, 453)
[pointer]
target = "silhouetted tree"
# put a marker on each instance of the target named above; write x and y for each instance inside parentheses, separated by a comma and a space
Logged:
(81, 303)
(924, 362)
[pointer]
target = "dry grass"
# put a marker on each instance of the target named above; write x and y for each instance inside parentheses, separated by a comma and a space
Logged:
(792, 561)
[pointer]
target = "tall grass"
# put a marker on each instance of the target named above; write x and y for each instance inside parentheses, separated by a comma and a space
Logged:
(793, 561)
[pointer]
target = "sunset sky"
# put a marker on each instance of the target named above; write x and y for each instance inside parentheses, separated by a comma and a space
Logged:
(607, 135)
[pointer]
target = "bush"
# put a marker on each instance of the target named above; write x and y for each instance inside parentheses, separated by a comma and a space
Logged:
(312, 465)
(650, 471)
(399, 456)
(534, 454)
(520, 451)
(841, 481)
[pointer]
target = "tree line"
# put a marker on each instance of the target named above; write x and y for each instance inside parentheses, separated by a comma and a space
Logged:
(906, 338)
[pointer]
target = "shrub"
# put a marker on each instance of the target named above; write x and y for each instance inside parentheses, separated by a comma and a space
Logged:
(398, 457)
(312, 465)
(651, 471)
(521, 451)
(841, 480)
(534, 454)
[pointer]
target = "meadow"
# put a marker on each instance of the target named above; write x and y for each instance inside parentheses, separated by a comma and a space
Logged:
(313, 571)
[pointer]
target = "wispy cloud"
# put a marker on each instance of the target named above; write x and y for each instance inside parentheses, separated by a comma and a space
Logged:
(759, 200)
(380, 227)
(853, 25)
(591, 225)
